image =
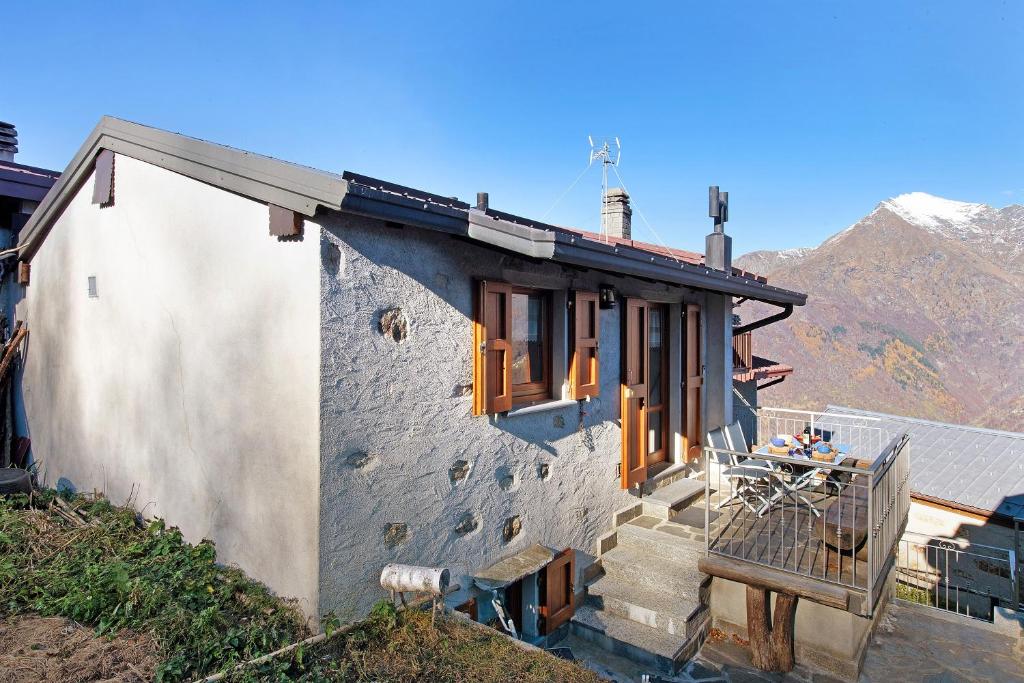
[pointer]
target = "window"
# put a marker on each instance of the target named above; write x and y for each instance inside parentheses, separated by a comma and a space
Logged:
(515, 329)
(512, 363)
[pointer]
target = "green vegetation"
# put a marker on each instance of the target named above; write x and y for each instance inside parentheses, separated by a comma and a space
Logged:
(98, 565)
(893, 333)
(113, 573)
(402, 646)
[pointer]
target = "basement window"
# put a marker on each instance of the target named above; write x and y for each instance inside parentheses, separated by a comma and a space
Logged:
(529, 595)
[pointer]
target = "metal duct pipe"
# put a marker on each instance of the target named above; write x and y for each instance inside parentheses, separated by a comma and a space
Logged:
(405, 578)
(787, 310)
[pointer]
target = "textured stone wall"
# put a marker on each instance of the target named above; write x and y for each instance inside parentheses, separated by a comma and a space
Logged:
(407, 474)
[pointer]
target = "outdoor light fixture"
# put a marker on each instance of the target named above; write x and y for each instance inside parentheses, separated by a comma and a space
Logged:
(607, 296)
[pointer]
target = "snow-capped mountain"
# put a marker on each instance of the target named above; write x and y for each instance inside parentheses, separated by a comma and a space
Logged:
(916, 309)
(996, 232)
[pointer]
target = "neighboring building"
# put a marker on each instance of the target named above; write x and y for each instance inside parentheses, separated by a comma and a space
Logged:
(967, 492)
(21, 189)
(328, 373)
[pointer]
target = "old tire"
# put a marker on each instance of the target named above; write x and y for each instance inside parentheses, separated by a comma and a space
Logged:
(13, 480)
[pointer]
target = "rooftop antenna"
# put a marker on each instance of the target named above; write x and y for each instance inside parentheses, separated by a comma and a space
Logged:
(609, 153)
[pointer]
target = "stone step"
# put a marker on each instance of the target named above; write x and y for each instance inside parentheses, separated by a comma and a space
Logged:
(626, 638)
(675, 577)
(675, 615)
(672, 498)
(666, 540)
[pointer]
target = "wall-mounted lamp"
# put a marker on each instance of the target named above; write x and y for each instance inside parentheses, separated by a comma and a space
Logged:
(607, 296)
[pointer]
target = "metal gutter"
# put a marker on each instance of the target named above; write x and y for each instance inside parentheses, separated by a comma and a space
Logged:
(787, 310)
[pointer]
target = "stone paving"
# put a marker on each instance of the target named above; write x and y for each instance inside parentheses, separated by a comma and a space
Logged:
(912, 644)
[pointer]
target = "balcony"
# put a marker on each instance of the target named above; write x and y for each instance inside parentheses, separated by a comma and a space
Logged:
(825, 527)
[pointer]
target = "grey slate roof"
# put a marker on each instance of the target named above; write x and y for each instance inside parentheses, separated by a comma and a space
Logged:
(25, 182)
(307, 190)
(968, 466)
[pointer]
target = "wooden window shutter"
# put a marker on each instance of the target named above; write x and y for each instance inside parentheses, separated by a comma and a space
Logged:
(560, 590)
(583, 369)
(492, 366)
(103, 188)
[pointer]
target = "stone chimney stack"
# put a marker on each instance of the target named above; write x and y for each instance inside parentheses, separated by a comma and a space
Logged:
(8, 141)
(616, 214)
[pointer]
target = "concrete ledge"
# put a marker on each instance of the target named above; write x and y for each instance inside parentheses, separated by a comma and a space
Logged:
(539, 408)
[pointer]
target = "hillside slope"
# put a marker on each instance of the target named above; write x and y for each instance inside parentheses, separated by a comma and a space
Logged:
(917, 309)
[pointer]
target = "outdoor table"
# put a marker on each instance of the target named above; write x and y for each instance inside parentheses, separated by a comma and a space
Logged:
(805, 469)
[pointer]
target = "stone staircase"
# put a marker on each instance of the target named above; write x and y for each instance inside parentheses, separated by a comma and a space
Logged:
(648, 602)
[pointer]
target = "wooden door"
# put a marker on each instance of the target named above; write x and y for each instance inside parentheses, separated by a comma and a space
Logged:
(693, 380)
(634, 394)
(559, 590)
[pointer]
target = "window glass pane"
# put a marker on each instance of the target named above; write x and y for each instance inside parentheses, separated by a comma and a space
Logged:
(591, 317)
(655, 339)
(528, 331)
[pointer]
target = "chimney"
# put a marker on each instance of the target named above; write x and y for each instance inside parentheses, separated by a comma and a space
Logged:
(718, 245)
(616, 214)
(8, 141)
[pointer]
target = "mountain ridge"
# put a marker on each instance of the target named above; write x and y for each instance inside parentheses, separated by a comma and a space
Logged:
(916, 309)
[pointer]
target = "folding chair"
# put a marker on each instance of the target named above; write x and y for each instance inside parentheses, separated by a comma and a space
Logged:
(749, 480)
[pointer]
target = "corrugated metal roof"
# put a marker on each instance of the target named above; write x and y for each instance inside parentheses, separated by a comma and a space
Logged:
(969, 466)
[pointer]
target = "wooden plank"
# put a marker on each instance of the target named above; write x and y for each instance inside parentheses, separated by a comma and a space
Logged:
(285, 222)
(776, 580)
(20, 332)
(103, 185)
(560, 594)
(634, 394)
(584, 379)
(844, 523)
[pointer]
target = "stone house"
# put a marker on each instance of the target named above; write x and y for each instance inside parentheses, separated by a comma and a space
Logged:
(326, 373)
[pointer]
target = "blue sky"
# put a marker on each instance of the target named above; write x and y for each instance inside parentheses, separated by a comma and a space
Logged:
(808, 113)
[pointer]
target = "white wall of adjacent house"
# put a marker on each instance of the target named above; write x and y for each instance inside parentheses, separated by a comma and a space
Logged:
(938, 522)
(188, 379)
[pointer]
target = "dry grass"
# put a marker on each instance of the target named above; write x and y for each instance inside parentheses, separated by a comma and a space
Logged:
(57, 650)
(403, 647)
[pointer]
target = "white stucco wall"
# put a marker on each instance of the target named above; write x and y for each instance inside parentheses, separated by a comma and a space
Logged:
(396, 417)
(193, 378)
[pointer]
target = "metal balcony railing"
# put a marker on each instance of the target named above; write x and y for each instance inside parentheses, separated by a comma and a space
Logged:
(837, 521)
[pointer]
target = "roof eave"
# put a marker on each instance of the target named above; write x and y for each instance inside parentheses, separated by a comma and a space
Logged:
(273, 181)
(571, 249)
